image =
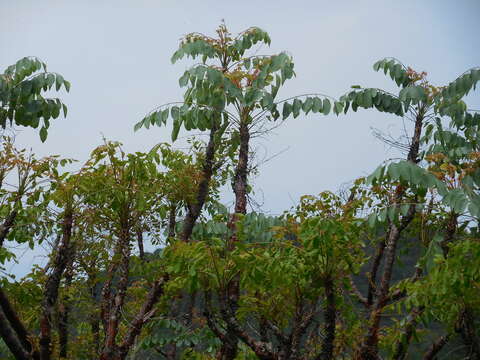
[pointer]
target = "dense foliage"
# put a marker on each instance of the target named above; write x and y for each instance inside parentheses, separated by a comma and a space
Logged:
(388, 268)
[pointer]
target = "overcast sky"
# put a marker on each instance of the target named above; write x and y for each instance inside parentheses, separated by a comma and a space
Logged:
(117, 55)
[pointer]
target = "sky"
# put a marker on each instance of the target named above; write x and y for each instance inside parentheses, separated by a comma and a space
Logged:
(116, 54)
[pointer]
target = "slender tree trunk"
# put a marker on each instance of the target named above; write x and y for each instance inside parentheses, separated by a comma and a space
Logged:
(369, 347)
(52, 285)
(229, 348)
(141, 251)
(7, 226)
(110, 348)
(401, 349)
(241, 174)
(94, 320)
(64, 312)
(16, 324)
(145, 314)
(436, 347)
(11, 339)
(330, 317)
(373, 273)
(195, 209)
(469, 334)
(172, 220)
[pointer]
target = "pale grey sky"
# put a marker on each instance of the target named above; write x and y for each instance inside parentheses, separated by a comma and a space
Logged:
(117, 55)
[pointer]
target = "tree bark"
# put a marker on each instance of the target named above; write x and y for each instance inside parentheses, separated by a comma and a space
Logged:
(172, 221)
(52, 285)
(11, 339)
(145, 314)
(16, 324)
(64, 312)
(469, 334)
(436, 347)
(401, 349)
(229, 348)
(330, 316)
(141, 251)
(117, 302)
(369, 347)
(7, 226)
(94, 320)
(195, 209)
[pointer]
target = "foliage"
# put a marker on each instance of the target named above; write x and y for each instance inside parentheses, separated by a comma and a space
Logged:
(387, 269)
(22, 99)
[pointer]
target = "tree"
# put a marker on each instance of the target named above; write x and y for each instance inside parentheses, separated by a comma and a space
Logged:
(387, 269)
(233, 95)
(428, 106)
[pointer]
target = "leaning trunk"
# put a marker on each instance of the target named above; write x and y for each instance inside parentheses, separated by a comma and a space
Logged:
(195, 209)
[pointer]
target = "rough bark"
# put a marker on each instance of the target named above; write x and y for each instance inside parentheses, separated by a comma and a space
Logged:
(372, 276)
(145, 314)
(64, 312)
(172, 220)
(450, 230)
(16, 324)
(141, 251)
(229, 348)
(330, 316)
(7, 226)
(11, 339)
(436, 347)
(195, 209)
(401, 350)
(52, 285)
(263, 350)
(369, 347)
(94, 320)
(241, 172)
(469, 334)
(119, 298)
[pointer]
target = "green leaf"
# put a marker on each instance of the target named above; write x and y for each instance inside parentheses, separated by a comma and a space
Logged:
(287, 109)
(307, 105)
(176, 129)
(317, 105)
(43, 134)
(326, 106)
(183, 81)
(338, 107)
(58, 81)
(297, 106)
(138, 126)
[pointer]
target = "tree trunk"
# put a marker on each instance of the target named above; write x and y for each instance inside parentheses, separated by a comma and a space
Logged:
(16, 324)
(11, 339)
(110, 348)
(64, 312)
(436, 347)
(141, 251)
(52, 285)
(369, 347)
(195, 209)
(330, 316)
(172, 221)
(7, 226)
